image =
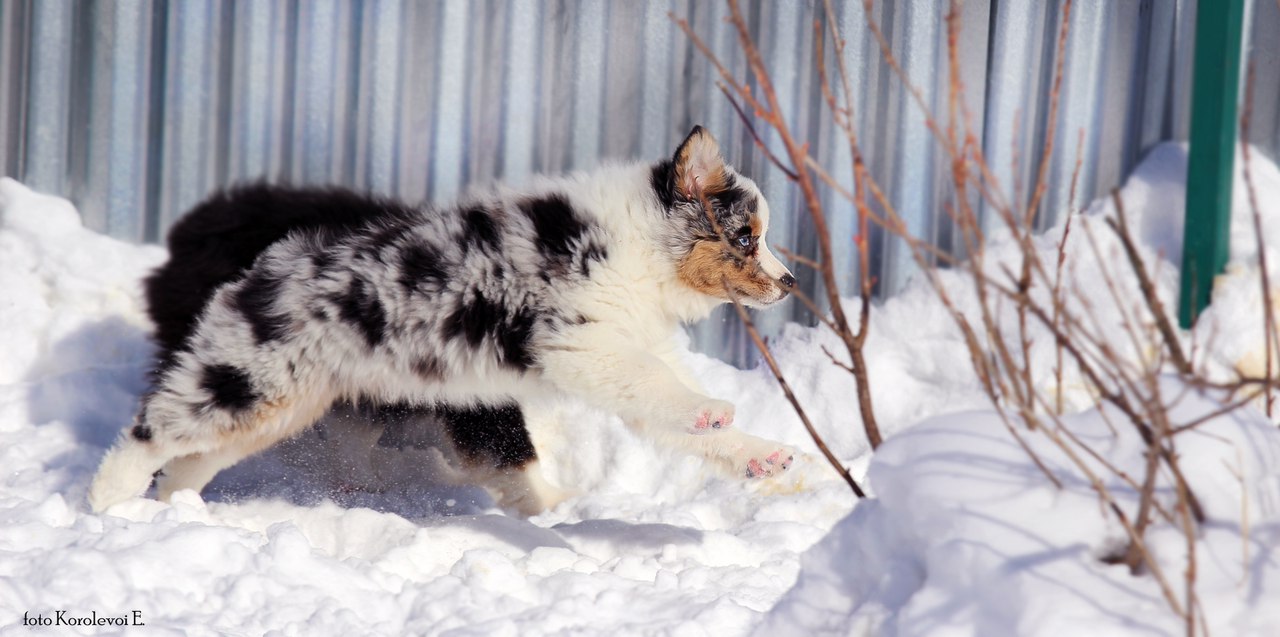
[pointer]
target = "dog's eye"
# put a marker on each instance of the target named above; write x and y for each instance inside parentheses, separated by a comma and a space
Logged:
(744, 241)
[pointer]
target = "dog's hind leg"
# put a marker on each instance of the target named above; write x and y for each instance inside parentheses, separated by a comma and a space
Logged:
(524, 489)
(494, 445)
(194, 471)
(126, 471)
(269, 424)
(201, 420)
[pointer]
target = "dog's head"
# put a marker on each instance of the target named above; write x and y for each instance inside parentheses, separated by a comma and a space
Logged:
(717, 225)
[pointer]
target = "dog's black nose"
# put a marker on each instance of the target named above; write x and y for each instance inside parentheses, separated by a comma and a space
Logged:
(788, 281)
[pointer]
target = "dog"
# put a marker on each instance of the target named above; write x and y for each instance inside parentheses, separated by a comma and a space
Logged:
(573, 284)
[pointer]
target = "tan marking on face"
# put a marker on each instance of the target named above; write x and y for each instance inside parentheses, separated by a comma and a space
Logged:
(757, 227)
(706, 267)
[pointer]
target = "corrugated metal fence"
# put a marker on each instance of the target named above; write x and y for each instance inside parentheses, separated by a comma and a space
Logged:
(136, 109)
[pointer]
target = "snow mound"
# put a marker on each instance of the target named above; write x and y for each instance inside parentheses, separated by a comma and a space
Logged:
(968, 537)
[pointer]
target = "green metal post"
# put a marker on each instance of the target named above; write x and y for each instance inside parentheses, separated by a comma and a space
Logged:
(1205, 245)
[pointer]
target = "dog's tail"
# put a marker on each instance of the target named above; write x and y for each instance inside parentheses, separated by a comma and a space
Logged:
(221, 237)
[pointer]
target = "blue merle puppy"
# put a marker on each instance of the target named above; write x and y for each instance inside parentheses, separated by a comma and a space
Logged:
(573, 284)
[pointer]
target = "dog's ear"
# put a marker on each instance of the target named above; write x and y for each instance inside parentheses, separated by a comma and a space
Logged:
(699, 168)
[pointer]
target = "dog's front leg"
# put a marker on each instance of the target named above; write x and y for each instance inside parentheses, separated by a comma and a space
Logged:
(648, 392)
(636, 385)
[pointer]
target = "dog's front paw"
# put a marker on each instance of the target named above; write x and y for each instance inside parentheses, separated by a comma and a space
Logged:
(711, 415)
(769, 465)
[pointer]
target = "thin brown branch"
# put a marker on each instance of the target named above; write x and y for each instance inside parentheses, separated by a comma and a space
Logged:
(860, 178)
(798, 258)
(1146, 496)
(1062, 259)
(835, 361)
(1148, 289)
(742, 115)
(1221, 411)
(725, 76)
(1268, 307)
(812, 306)
(1051, 120)
(892, 222)
(1127, 318)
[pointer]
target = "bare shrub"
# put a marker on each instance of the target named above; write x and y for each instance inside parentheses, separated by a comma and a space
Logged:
(1130, 382)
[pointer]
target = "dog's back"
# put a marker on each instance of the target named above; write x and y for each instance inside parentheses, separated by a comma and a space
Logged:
(220, 238)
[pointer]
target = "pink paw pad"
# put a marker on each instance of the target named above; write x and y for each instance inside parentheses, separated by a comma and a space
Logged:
(773, 462)
(706, 422)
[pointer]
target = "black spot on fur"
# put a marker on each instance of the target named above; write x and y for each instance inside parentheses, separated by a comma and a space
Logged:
(558, 228)
(473, 319)
(255, 301)
(322, 260)
(381, 244)
(361, 308)
(165, 360)
(220, 238)
(390, 232)
(663, 180)
(420, 264)
(229, 387)
(480, 230)
(496, 434)
(513, 340)
(731, 196)
(480, 318)
(428, 369)
(141, 433)
(593, 253)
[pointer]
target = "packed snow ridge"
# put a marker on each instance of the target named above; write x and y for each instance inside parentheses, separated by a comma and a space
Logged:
(964, 535)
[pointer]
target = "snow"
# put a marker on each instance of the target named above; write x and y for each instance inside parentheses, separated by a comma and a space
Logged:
(964, 535)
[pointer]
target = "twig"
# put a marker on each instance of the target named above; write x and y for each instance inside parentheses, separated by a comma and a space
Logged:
(1051, 119)
(891, 221)
(797, 257)
(1148, 289)
(1268, 308)
(756, 136)
(1221, 411)
(835, 361)
(1062, 258)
